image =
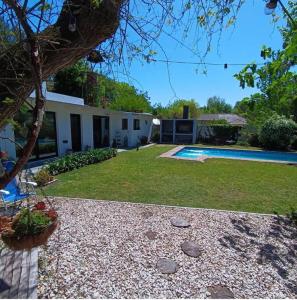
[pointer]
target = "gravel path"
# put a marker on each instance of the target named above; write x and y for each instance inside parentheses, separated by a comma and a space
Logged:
(111, 250)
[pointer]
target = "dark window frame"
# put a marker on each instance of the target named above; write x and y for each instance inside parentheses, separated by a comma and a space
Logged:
(136, 124)
(124, 124)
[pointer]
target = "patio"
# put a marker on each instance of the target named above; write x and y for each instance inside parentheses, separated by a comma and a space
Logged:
(108, 249)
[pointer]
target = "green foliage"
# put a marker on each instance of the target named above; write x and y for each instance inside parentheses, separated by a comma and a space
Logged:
(98, 90)
(156, 137)
(277, 79)
(175, 109)
(42, 177)
(30, 222)
(219, 134)
(143, 140)
(277, 132)
(294, 143)
(137, 176)
(80, 159)
(248, 136)
(8, 34)
(216, 105)
(71, 80)
(127, 98)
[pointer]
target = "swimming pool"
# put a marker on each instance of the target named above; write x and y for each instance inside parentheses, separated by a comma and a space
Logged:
(198, 153)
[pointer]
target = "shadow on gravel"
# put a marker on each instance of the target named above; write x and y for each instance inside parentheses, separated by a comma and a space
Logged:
(278, 246)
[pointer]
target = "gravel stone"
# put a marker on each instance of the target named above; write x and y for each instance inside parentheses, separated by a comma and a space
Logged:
(179, 222)
(191, 249)
(151, 235)
(220, 292)
(100, 250)
(166, 266)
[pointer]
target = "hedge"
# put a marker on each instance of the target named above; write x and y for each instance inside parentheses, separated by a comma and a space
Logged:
(80, 159)
(218, 133)
(277, 132)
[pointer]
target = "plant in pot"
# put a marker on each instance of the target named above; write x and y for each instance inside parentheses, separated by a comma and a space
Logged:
(29, 228)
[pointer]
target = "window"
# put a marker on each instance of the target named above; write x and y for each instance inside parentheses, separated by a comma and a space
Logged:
(46, 144)
(124, 124)
(136, 124)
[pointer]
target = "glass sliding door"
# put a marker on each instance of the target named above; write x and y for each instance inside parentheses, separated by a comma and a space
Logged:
(47, 139)
(46, 144)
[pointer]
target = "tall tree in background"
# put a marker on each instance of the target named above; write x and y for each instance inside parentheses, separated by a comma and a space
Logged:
(216, 105)
(277, 79)
(127, 98)
(175, 109)
(52, 36)
(98, 90)
(72, 80)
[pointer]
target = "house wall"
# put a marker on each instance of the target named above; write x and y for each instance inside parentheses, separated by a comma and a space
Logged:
(63, 127)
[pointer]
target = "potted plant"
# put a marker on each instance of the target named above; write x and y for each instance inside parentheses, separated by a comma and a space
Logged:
(29, 228)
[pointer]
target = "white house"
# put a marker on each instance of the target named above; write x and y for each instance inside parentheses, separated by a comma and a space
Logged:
(69, 125)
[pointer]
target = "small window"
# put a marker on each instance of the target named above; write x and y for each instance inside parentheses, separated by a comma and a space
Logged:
(136, 124)
(124, 124)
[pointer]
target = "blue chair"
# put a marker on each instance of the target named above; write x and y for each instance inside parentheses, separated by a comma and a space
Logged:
(12, 193)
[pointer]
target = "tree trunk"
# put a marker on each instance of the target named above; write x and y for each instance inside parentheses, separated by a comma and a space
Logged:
(59, 48)
(24, 66)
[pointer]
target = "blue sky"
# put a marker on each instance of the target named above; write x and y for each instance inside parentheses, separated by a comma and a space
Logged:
(241, 44)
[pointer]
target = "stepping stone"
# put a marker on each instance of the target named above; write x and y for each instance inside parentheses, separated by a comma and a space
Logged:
(191, 249)
(166, 266)
(179, 222)
(220, 292)
(151, 235)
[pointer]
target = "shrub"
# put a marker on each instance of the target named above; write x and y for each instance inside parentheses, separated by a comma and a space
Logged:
(218, 133)
(77, 160)
(143, 140)
(277, 132)
(156, 137)
(30, 222)
(43, 176)
(249, 136)
(294, 143)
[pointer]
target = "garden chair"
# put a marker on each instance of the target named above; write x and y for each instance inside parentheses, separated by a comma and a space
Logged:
(16, 191)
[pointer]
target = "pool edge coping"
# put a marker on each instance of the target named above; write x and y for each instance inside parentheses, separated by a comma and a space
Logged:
(171, 154)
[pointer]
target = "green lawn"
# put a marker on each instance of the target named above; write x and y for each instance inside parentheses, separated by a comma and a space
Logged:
(140, 176)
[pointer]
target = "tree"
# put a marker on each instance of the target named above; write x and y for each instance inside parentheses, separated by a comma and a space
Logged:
(254, 109)
(52, 36)
(175, 109)
(277, 132)
(99, 90)
(127, 98)
(277, 79)
(72, 80)
(217, 105)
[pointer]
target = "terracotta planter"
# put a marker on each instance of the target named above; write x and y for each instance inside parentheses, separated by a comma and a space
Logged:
(29, 241)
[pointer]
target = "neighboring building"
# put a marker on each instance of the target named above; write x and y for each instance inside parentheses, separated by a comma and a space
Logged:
(69, 125)
(191, 131)
(232, 119)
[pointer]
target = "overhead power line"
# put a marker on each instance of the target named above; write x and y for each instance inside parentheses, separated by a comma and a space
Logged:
(225, 65)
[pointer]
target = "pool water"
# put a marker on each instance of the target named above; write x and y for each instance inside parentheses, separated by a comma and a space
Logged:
(273, 156)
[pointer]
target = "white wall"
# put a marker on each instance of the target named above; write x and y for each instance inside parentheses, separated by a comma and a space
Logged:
(63, 111)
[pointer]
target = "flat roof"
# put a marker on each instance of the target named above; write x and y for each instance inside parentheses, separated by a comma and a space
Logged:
(61, 98)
